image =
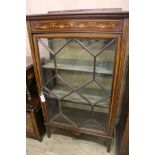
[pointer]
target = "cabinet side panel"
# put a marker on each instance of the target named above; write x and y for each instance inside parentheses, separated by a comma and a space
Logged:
(118, 80)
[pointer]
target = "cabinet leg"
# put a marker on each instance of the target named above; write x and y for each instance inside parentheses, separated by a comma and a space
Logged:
(40, 139)
(48, 132)
(109, 146)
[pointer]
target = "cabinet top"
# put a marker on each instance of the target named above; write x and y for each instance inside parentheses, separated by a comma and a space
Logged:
(107, 13)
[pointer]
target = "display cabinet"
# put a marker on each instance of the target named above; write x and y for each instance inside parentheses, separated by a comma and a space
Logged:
(79, 62)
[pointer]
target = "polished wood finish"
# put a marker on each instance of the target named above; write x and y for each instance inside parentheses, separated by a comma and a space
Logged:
(91, 14)
(120, 69)
(68, 25)
(90, 11)
(34, 119)
(124, 148)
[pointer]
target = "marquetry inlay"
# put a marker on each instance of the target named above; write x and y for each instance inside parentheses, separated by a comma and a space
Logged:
(108, 25)
(74, 25)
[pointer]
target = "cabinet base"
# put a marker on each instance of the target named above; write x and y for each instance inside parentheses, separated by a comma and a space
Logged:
(107, 139)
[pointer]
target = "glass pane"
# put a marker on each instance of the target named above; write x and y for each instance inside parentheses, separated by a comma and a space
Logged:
(56, 90)
(93, 92)
(76, 112)
(54, 112)
(101, 118)
(45, 59)
(72, 59)
(77, 79)
(95, 45)
(74, 97)
(104, 66)
(104, 80)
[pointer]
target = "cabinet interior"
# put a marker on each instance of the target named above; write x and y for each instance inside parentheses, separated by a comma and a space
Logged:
(77, 78)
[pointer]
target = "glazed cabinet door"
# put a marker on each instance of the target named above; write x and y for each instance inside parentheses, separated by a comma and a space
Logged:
(77, 74)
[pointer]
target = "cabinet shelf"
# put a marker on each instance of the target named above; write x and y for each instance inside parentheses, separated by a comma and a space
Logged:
(105, 68)
(79, 116)
(93, 95)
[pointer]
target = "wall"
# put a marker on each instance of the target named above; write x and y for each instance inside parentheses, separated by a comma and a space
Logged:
(43, 6)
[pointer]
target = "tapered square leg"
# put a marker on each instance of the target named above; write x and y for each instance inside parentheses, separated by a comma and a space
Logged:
(109, 146)
(48, 132)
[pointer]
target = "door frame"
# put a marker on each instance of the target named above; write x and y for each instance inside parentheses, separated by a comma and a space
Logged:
(116, 70)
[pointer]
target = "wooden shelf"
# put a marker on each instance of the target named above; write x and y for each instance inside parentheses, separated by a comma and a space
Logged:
(106, 67)
(92, 95)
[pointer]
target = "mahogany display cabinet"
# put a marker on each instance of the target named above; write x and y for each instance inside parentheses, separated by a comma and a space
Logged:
(79, 59)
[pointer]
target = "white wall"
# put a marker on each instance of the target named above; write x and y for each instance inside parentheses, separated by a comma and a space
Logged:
(43, 6)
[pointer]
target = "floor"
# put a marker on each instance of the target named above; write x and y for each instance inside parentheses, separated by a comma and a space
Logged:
(63, 142)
